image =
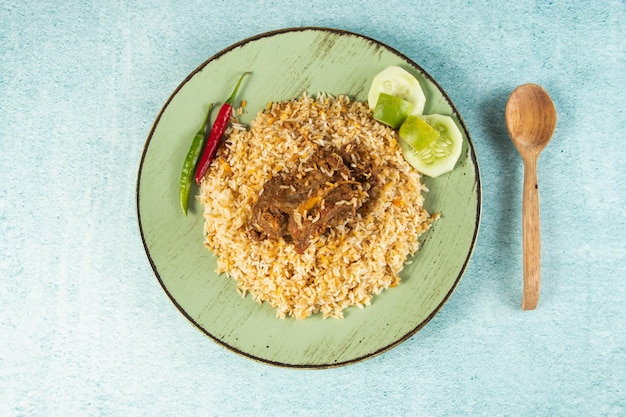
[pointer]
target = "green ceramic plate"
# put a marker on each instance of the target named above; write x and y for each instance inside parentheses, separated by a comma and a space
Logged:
(284, 64)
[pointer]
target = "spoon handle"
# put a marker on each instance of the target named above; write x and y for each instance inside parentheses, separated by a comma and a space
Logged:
(531, 235)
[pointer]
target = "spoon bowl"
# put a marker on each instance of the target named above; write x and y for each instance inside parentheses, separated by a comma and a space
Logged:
(530, 117)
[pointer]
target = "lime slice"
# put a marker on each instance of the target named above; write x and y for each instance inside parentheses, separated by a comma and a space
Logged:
(397, 82)
(417, 133)
(442, 154)
(391, 110)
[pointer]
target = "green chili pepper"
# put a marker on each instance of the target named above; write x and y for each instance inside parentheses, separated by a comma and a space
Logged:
(189, 166)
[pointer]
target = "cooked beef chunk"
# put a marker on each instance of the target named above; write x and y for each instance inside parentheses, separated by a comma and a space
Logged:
(327, 190)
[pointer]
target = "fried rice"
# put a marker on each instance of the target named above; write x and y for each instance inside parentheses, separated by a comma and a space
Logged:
(348, 264)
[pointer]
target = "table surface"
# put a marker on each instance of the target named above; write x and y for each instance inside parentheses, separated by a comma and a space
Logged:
(85, 328)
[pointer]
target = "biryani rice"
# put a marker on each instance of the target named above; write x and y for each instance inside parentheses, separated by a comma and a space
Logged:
(348, 264)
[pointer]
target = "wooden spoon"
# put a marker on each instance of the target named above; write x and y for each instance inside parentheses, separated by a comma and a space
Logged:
(530, 118)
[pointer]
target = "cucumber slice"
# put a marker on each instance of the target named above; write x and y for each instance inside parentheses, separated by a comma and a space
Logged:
(397, 82)
(391, 110)
(439, 156)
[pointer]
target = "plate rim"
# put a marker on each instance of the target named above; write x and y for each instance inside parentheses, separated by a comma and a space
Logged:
(472, 156)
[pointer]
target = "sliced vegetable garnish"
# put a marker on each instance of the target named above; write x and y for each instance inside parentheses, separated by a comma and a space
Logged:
(417, 133)
(391, 110)
(397, 82)
(442, 154)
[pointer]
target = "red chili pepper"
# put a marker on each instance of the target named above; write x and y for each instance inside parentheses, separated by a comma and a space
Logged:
(219, 127)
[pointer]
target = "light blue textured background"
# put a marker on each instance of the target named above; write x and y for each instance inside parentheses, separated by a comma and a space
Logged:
(85, 328)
